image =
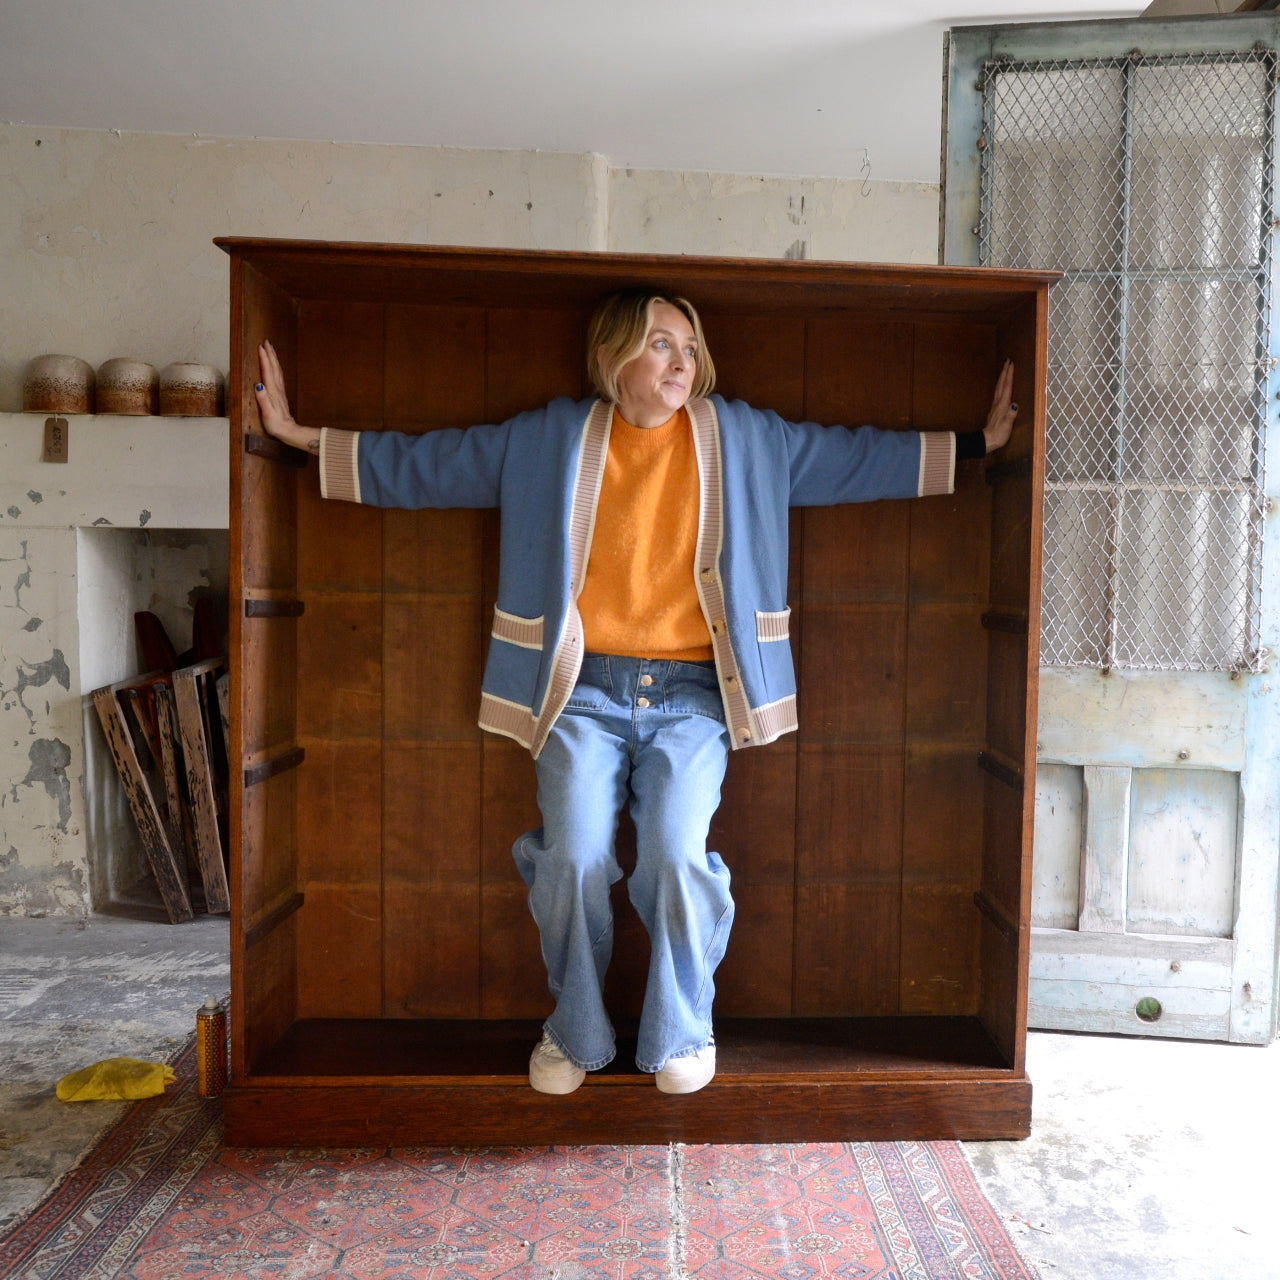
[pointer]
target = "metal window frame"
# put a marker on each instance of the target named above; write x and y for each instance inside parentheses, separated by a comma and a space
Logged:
(964, 223)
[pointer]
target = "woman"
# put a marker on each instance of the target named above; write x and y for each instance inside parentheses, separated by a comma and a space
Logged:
(640, 635)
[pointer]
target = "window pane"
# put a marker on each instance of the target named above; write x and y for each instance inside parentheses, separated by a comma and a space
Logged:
(1078, 529)
(1055, 191)
(1084, 366)
(1192, 388)
(1185, 560)
(1198, 142)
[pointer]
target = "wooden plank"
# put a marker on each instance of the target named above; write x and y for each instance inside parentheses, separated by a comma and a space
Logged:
(533, 356)
(1013, 623)
(198, 768)
(856, 655)
(942, 858)
(513, 979)
(335, 1114)
(759, 358)
(939, 958)
(340, 362)
(1182, 854)
(223, 690)
(947, 674)
(1067, 953)
(857, 369)
(755, 832)
(397, 1081)
(1143, 718)
(1094, 982)
(272, 920)
(1104, 861)
(339, 677)
(435, 366)
(430, 869)
(142, 709)
(955, 365)
(260, 608)
(164, 865)
(1004, 926)
(848, 880)
(263, 529)
(1001, 769)
(261, 446)
(339, 951)
(396, 272)
(1059, 836)
(259, 770)
(479, 1051)
(179, 822)
(432, 687)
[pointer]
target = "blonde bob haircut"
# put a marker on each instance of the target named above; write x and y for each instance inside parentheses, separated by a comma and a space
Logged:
(617, 335)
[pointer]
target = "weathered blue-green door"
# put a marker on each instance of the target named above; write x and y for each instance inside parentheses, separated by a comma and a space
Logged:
(1139, 158)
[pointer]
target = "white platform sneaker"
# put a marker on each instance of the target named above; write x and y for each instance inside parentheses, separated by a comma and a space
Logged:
(550, 1071)
(689, 1073)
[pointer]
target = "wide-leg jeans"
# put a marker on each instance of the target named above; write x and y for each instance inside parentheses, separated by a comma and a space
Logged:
(651, 732)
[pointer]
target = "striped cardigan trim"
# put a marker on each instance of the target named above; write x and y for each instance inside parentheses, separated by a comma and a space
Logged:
(776, 718)
(937, 463)
(340, 464)
(706, 445)
(582, 520)
(510, 719)
(773, 626)
(525, 632)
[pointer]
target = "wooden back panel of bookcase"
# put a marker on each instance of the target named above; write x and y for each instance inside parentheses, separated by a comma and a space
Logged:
(879, 857)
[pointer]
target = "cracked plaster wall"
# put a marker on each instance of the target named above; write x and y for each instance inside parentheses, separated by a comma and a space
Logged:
(106, 250)
(43, 869)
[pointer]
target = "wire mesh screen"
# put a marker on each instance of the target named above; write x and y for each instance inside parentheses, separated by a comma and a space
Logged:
(1148, 182)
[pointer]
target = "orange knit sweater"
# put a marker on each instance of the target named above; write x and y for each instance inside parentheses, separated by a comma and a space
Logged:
(639, 598)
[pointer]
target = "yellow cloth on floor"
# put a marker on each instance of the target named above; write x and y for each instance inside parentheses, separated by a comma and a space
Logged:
(116, 1078)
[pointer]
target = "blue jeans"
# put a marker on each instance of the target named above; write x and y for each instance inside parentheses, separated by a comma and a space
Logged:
(652, 732)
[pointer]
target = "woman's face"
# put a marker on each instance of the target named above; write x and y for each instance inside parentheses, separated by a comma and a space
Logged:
(658, 381)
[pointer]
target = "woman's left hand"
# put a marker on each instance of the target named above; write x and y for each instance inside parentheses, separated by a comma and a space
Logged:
(1003, 411)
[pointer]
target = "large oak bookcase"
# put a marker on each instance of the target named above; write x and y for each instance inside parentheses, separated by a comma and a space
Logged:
(387, 985)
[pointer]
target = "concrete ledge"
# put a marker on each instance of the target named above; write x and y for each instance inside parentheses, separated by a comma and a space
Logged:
(160, 473)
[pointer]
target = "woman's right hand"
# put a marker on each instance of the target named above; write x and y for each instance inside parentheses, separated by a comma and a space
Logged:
(273, 404)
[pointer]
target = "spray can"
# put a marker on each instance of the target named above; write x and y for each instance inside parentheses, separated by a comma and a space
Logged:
(211, 1049)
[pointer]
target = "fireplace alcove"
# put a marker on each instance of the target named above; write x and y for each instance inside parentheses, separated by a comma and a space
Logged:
(386, 979)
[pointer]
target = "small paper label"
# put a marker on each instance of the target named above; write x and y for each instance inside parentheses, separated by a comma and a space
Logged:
(55, 439)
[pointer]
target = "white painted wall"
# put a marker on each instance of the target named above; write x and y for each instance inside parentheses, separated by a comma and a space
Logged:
(737, 215)
(106, 250)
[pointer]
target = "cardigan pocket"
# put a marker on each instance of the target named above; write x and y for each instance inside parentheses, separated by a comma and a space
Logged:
(525, 632)
(773, 626)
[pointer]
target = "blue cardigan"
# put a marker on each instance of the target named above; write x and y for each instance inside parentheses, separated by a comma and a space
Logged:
(544, 469)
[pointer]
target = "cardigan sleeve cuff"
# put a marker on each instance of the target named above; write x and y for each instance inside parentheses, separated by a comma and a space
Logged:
(340, 464)
(937, 463)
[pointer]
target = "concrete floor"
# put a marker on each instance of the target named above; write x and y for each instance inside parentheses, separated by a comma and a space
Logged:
(1149, 1160)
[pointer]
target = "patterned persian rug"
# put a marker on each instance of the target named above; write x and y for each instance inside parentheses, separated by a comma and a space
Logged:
(160, 1198)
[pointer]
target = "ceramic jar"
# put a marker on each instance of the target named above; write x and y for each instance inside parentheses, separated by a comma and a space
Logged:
(191, 390)
(57, 384)
(128, 386)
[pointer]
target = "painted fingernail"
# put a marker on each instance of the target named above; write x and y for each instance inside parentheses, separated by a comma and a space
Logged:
(1014, 407)
(258, 387)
